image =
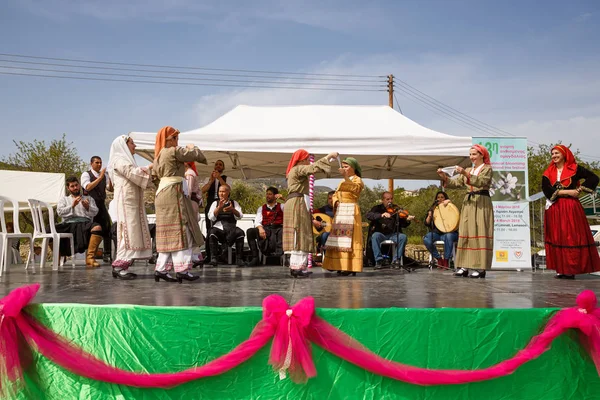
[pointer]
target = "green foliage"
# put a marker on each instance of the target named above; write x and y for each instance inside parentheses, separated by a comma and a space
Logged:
(59, 156)
(250, 198)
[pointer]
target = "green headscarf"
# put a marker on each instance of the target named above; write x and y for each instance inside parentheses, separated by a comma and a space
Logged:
(351, 161)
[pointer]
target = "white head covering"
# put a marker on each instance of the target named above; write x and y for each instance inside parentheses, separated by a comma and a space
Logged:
(119, 150)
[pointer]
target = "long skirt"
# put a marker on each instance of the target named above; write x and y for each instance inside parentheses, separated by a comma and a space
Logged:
(297, 226)
(475, 249)
(174, 213)
(570, 247)
(336, 260)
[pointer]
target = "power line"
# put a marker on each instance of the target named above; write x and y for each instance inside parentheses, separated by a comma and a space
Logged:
(448, 112)
(444, 113)
(191, 73)
(191, 68)
(398, 103)
(192, 83)
(316, 84)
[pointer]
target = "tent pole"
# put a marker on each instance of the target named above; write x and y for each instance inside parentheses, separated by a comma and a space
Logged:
(391, 104)
(311, 198)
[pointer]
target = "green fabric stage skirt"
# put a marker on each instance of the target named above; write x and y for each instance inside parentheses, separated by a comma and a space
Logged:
(170, 339)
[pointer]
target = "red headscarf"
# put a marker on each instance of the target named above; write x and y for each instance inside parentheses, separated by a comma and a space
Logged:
(299, 155)
(161, 138)
(192, 165)
(569, 169)
(484, 152)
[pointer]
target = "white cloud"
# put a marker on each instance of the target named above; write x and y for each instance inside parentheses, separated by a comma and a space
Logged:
(583, 17)
(239, 17)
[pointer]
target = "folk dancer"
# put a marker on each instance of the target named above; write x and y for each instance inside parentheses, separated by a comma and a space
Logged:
(475, 250)
(177, 230)
(133, 239)
(344, 248)
(570, 248)
(297, 226)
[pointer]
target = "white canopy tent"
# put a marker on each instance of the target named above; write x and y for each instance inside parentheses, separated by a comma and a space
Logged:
(23, 185)
(257, 142)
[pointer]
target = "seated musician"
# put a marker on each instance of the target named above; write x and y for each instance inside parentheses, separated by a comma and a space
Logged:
(267, 234)
(77, 212)
(434, 235)
(224, 215)
(386, 224)
(327, 209)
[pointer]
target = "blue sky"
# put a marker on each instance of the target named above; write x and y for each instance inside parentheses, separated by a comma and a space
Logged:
(527, 67)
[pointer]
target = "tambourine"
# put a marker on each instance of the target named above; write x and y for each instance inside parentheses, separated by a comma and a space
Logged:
(446, 218)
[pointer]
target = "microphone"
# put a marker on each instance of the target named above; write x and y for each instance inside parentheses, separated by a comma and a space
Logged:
(389, 204)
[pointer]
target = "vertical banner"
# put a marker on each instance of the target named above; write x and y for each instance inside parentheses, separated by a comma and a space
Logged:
(509, 189)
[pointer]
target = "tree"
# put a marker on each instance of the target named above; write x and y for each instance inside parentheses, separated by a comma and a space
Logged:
(59, 156)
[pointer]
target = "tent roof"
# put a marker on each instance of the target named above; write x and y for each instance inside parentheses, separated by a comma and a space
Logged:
(257, 142)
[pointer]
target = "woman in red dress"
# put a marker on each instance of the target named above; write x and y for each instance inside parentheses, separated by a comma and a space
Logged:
(570, 248)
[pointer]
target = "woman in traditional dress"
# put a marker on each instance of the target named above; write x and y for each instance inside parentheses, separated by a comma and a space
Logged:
(475, 249)
(570, 248)
(195, 194)
(297, 222)
(434, 234)
(344, 247)
(177, 230)
(130, 181)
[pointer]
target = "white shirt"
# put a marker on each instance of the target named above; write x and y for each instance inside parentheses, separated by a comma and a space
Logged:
(213, 217)
(85, 178)
(66, 211)
(216, 183)
(259, 217)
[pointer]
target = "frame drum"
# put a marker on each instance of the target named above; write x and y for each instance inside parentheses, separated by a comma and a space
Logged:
(446, 218)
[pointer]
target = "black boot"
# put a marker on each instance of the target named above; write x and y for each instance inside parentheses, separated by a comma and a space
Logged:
(254, 249)
(239, 252)
(214, 250)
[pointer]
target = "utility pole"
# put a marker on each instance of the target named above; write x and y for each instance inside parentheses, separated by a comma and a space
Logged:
(391, 104)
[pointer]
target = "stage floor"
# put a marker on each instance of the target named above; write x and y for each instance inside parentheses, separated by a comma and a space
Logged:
(228, 286)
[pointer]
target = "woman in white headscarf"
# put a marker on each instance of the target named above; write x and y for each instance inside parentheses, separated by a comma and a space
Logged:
(133, 236)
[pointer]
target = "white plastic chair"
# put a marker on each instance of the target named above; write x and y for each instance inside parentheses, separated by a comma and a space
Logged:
(39, 232)
(393, 245)
(5, 236)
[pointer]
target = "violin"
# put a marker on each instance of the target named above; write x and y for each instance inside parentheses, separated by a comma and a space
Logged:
(402, 213)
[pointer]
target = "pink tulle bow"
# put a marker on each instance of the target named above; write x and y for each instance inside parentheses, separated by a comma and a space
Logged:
(15, 355)
(589, 325)
(290, 350)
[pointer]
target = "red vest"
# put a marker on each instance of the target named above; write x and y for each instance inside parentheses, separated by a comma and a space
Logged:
(272, 217)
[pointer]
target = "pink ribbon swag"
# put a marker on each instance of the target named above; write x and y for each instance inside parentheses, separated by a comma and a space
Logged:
(291, 328)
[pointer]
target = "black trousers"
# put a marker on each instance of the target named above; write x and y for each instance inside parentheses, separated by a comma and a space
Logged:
(271, 245)
(103, 219)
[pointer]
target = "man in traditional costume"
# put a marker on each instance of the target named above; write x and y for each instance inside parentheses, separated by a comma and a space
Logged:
(77, 212)
(297, 222)
(95, 183)
(344, 248)
(224, 215)
(133, 235)
(267, 233)
(210, 187)
(177, 230)
(475, 250)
